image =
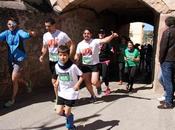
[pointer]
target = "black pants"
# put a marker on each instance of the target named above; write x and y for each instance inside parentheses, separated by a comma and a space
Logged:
(121, 70)
(104, 72)
(130, 74)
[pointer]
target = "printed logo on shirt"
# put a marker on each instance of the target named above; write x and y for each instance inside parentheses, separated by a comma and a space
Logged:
(64, 77)
(53, 42)
(86, 51)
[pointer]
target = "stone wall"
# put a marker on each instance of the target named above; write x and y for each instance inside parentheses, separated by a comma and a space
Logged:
(72, 23)
(35, 71)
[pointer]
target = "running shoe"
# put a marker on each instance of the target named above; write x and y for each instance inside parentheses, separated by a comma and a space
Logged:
(9, 103)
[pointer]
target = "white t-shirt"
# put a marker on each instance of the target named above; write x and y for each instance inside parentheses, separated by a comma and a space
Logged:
(54, 40)
(89, 51)
(67, 79)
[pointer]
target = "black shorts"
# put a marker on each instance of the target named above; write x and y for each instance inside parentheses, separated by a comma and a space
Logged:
(90, 68)
(62, 101)
(52, 68)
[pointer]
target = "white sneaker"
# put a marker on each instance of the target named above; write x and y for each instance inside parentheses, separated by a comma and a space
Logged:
(9, 103)
(55, 107)
(161, 98)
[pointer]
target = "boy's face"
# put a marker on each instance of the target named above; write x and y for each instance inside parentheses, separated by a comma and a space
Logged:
(11, 25)
(63, 57)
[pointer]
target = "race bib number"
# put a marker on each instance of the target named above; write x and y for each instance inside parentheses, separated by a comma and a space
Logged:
(87, 60)
(53, 56)
(64, 77)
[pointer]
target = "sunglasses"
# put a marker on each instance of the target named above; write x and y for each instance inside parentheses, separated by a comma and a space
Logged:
(11, 24)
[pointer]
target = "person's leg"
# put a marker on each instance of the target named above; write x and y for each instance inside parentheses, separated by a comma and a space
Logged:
(15, 77)
(132, 77)
(96, 82)
(55, 87)
(95, 79)
(87, 80)
(69, 118)
(53, 80)
(167, 72)
(105, 74)
(160, 78)
(121, 69)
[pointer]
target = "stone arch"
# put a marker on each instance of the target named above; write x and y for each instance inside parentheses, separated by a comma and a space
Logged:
(149, 11)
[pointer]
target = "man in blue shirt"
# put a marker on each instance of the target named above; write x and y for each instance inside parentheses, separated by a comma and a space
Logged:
(14, 38)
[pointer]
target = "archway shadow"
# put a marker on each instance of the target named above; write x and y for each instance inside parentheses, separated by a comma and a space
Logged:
(26, 99)
(112, 97)
(99, 124)
(135, 89)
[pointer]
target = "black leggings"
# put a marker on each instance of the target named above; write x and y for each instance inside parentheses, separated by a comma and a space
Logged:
(104, 70)
(130, 74)
(121, 70)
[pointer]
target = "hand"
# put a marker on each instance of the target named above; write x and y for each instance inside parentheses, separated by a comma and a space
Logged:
(114, 34)
(32, 33)
(76, 88)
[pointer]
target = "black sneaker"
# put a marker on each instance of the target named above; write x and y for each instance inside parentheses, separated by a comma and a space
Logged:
(73, 128)
(99, 90)
(93, 99)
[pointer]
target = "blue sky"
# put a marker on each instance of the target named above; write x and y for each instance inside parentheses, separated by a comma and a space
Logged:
(148, 27)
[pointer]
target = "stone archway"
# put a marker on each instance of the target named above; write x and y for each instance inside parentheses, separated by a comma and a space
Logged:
(153, 12)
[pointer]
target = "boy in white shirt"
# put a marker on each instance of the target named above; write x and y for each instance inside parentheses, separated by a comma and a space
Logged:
(68, 85)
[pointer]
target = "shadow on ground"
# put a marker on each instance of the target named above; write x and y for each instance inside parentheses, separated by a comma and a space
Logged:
(40, 95)
(115, 95)
(99, 124)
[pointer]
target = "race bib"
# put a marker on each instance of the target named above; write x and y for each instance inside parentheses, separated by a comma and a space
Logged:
(64, 77)
(87, 59)
(53, 56)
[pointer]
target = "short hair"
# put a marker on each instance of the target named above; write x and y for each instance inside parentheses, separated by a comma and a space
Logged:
(50, 20)
(88, 28)
(63, 49)
(131, 42)
(169, 21)
(13, 19)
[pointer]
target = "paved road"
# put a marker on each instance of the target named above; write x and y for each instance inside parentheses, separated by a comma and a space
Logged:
(118, 111)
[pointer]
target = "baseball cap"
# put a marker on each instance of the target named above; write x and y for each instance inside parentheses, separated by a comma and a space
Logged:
(101, 31)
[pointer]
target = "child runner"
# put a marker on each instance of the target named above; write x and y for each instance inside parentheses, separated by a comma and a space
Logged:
(68, 85)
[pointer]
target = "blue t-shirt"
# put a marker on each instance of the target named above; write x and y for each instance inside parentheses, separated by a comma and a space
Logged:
(14, 40)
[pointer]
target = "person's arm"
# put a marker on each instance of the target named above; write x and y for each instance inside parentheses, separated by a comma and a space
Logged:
(137, 59)
(71, 45)
(163, 46)
(108, 38)
(3, 36)
(43, 52)
(32, 33)
(77, 85)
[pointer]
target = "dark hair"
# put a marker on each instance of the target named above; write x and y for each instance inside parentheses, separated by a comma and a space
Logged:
(88, 28)
(50, 20)
(131, 42)
(169, 21)
(13, 19)
(63, 49)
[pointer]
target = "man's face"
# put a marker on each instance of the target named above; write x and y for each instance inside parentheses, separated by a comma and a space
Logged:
(87, 35)
(11, 25)
(49, 27)
(101, 35)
